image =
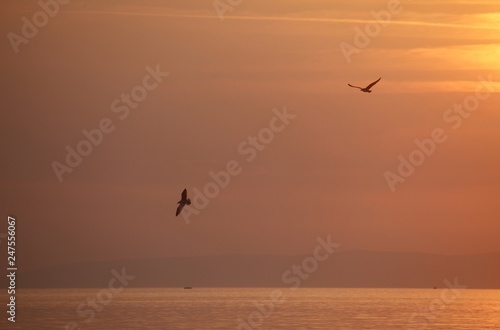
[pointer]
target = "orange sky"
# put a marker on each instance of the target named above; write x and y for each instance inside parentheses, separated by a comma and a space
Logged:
(323, 174)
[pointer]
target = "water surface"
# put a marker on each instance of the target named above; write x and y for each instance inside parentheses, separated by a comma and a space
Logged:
(237, 308)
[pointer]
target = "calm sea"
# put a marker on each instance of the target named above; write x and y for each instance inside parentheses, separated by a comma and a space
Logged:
(262, 308)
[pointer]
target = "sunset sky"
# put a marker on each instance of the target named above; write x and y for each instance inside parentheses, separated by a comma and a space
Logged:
(323, 174)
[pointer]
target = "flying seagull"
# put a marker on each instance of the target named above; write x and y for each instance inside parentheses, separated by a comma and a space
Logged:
(367, 88)
(184, 200)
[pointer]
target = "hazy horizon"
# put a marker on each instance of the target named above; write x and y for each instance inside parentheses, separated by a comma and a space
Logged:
(69, 263)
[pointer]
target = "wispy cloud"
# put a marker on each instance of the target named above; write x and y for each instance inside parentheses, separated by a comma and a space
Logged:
(297, 19)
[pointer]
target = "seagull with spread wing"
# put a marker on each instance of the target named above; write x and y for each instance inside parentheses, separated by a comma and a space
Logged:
(184, 200)
(367, 88)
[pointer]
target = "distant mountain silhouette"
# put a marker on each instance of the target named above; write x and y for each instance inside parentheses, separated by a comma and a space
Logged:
(341, 269)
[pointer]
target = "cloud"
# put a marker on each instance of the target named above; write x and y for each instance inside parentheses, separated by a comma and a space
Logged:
(297, 19)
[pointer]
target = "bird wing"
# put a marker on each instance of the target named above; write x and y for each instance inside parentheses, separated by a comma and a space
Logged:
(373, 83)
(179, 209)
(354, 86)
(184, 194)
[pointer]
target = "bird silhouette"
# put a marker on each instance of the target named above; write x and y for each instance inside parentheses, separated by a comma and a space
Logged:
(184, 200)
(367, 88)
